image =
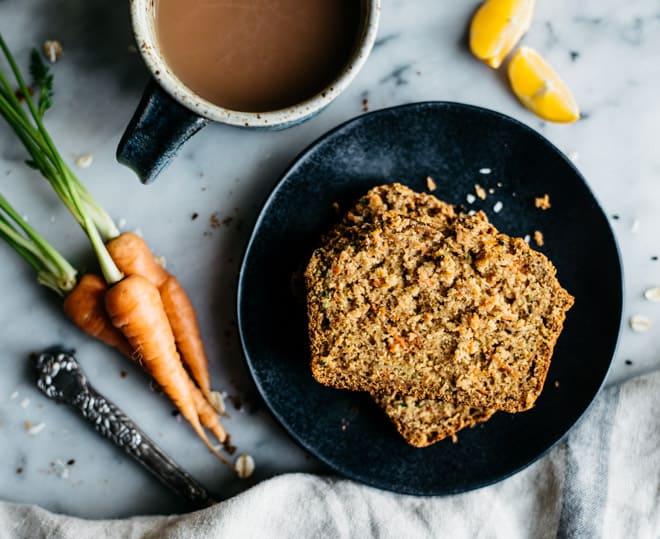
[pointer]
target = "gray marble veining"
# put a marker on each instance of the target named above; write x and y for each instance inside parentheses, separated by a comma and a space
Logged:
(200, 212)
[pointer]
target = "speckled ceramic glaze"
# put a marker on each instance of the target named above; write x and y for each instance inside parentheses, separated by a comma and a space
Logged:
(160, 127)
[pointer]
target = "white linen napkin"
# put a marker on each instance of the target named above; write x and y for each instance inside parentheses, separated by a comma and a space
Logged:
(603, 481)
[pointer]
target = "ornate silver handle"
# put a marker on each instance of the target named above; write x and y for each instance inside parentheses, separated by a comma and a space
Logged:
(61, 378)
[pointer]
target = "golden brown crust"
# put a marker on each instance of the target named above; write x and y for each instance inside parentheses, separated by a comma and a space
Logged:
(423, 422)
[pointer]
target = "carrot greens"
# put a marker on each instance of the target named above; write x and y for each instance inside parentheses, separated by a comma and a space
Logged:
(44, 156)
(52, 269)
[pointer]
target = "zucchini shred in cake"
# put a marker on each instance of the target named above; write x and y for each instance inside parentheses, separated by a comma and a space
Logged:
(442, 318)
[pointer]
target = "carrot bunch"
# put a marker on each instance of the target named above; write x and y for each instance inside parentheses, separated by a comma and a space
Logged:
(136, 306)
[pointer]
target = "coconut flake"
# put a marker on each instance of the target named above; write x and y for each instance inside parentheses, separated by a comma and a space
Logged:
(36, 429)
(634, 228)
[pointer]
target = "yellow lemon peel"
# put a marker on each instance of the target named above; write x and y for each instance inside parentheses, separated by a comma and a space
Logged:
(496, 28)
(539, 88)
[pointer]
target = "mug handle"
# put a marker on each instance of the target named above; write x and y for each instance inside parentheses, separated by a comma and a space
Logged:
(159, 127)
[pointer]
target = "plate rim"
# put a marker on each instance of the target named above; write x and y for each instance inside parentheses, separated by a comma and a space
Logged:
(267, 202)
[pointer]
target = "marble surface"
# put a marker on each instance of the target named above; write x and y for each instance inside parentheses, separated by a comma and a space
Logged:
(606, 49)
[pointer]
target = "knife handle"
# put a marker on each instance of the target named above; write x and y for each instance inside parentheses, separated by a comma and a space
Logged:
(61, 378)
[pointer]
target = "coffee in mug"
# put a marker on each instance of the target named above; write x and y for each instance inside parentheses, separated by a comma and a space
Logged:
(257, 55)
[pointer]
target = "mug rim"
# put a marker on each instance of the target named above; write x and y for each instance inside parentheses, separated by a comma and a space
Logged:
(145, 37)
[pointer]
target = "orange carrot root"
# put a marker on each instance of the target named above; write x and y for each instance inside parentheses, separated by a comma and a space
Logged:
(135, 308)
(207, 414)
(133, 257)
(85, 307)
(185, 328)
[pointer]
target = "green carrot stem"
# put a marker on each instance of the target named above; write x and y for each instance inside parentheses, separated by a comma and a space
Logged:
(39, 144)
(52, 268)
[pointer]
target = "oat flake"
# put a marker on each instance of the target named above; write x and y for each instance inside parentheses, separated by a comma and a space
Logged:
(244, 466)
(639, 323)
(85, 161)
(653, 294)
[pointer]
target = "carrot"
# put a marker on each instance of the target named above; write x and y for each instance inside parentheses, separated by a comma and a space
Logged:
(135, 308)
(207, 414)
(132, 303)
(84, 306)
(133, 257)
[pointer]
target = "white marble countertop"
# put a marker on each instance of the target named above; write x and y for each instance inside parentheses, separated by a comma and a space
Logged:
(606, 49)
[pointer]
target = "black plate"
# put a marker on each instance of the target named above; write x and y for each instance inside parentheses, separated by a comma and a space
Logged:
(450, 142)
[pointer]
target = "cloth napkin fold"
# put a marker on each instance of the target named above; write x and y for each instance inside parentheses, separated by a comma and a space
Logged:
(603, 481)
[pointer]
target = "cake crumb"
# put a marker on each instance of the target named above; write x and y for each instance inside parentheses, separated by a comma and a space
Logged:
(543, 203)
(365, 104)
(430, 184)
(480, 191)
(194, 216)
(215, 222)
(538, 238)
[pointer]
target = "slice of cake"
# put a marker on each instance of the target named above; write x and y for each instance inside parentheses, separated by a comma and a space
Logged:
(407, 298)
(423, 422)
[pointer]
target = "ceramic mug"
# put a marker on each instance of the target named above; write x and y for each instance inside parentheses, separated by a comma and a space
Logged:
(170, 113)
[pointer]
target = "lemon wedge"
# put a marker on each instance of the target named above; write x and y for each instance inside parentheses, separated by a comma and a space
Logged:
(540, 88)
(496, 28)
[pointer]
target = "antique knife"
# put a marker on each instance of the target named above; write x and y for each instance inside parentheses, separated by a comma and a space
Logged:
(61, 378)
